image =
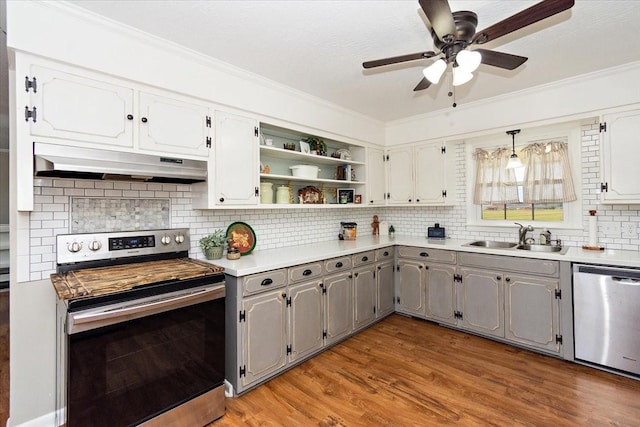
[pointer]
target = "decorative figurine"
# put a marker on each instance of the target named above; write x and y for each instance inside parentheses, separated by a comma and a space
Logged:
(376, 225)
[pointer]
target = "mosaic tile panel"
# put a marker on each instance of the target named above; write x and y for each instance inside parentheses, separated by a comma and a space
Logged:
(90, 215)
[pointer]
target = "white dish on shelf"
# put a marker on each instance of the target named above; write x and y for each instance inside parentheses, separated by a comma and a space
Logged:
(305, 171)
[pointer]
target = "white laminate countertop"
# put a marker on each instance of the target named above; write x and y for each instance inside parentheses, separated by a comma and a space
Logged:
(271, 259)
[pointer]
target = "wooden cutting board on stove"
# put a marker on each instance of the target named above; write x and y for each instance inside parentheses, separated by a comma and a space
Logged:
(106, 280)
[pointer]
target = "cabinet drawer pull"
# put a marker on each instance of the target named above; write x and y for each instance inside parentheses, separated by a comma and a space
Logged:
(144, 120)
(385, 253)
(498, 277)
(508, 279)
(306, 272)
(425, 254)
(365, 259)
(338, 264)
(129, 116)
(266, 282)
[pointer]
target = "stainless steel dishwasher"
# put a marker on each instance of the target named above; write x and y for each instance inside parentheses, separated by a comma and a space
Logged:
(606, 313)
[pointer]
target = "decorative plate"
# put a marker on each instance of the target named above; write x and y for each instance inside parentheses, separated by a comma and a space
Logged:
(241, 236)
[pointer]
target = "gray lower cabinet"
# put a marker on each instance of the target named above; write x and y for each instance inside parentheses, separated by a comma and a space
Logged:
(410, 291)
(306, 313)
(364, 296)
(263, 336)
(338, 306)
(385, 295)
(481, 301)
(440, 292)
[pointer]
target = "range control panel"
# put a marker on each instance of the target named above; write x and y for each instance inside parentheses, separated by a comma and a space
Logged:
(72, 248)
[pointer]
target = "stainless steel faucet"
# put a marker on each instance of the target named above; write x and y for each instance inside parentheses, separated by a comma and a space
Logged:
(522, 233)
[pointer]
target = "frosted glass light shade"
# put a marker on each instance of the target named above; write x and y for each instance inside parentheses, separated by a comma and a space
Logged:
(468, 60)
(461, 77)
(434, 71)
(514, 162)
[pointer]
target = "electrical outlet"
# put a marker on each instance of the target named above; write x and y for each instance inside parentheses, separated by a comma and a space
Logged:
(629, 230)
(610, 227)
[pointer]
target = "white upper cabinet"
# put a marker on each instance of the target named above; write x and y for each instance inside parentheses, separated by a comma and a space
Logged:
(174, 125)
(420, 174)
(619, 153)
(236, 162)
(70, 107)
(375, 177)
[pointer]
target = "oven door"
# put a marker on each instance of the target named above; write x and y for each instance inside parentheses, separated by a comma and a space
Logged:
(129, 362)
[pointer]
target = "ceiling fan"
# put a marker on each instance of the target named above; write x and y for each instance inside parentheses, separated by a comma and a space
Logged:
(453, 33)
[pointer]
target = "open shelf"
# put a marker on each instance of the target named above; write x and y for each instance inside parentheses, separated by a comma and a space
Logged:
(333, 182)
(281, 153)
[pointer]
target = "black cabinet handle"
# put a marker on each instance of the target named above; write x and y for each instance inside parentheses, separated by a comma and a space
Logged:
(508, 279)
(144, 120)
(356, 274)
(417, 200)
(420, 267)
(266, 282)
(129, 116)
(284, 295)
(498, 277)
(306, 272)
(425, 254)
(370, 201)
(379, 267)
(365, 259)
(338, 264)
(386, 253)
(409, 200)
(426, 267)
(221, 199)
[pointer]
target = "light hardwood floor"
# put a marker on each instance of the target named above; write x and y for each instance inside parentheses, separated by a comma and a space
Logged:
(408, 372)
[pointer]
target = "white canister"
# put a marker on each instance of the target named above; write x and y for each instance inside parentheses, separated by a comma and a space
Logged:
(266, 192)
(282, 194)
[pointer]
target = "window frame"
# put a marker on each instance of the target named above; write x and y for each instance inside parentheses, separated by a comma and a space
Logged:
(571, 210)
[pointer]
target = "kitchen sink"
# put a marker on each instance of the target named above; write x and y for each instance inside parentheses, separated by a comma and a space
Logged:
(492, 244)
(543, 248)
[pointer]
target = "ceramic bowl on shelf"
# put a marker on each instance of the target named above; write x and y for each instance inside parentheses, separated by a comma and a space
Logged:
(305, 171)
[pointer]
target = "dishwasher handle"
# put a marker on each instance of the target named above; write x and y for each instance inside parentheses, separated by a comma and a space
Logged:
(620, 273)
(88, 320)
(626, 280)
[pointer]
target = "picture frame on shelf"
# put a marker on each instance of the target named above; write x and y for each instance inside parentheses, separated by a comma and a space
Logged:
(304, 147)
(357, 199)
(345, 195)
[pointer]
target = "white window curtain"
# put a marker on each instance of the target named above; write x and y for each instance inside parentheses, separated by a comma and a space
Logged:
(494, 182)
(547, 177)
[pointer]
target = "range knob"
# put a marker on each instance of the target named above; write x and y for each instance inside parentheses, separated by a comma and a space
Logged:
(95, 245)
(165, 240)
(180, 238)
(74, 247)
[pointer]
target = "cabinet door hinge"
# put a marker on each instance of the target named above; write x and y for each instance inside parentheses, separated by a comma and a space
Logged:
(603, 127)
(289, 302)
(208, 142)
(374, 309)
(30, 84)
(398, 300)
(457, 278)
(457, 314)
(324, 334)
(374, 274)
(443, 150)
(558, 339)
(398, 267)
(29, 114)
(255, 131)
(388, 196)
(604, 186)
(256, 191)
(207, 121)
(243, 316)
(387, 157)
(243, 371)
(444, 193)
(558, 294)
(288, 350)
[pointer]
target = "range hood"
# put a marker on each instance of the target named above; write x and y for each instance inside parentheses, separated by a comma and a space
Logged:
(89, 163)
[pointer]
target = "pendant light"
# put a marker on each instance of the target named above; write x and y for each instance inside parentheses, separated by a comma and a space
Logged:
(514, 161)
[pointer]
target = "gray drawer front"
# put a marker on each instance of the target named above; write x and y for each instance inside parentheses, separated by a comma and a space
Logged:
(264, 281)
(384, 253)
(540, 267)
(427, 254)
(363, 258)
(304, 272)
(337, 264)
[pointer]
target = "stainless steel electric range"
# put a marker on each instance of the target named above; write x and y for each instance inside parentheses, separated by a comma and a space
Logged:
(141, 331)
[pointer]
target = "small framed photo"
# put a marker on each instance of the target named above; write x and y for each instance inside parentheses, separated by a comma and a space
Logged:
(304, 147)
(346, 195)
(358, 199)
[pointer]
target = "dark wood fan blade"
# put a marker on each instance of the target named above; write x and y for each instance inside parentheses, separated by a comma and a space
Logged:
(396, 59)
(439, 14)
(531, 15)
(501, 60)
(424, 83)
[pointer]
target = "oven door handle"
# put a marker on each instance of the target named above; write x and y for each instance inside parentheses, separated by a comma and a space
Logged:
(79, 322)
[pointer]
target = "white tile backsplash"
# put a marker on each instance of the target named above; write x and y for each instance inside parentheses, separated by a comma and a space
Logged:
(277, 228)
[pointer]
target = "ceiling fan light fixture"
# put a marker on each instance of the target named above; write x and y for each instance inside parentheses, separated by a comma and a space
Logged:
(468, 60)
(434, 71)
(461, 77)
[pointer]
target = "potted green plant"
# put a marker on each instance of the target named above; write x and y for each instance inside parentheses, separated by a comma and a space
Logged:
(213, 244)
(317, 144)
(392, 232)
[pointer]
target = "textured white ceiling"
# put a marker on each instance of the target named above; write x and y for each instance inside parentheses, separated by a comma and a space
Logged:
(318, 46)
